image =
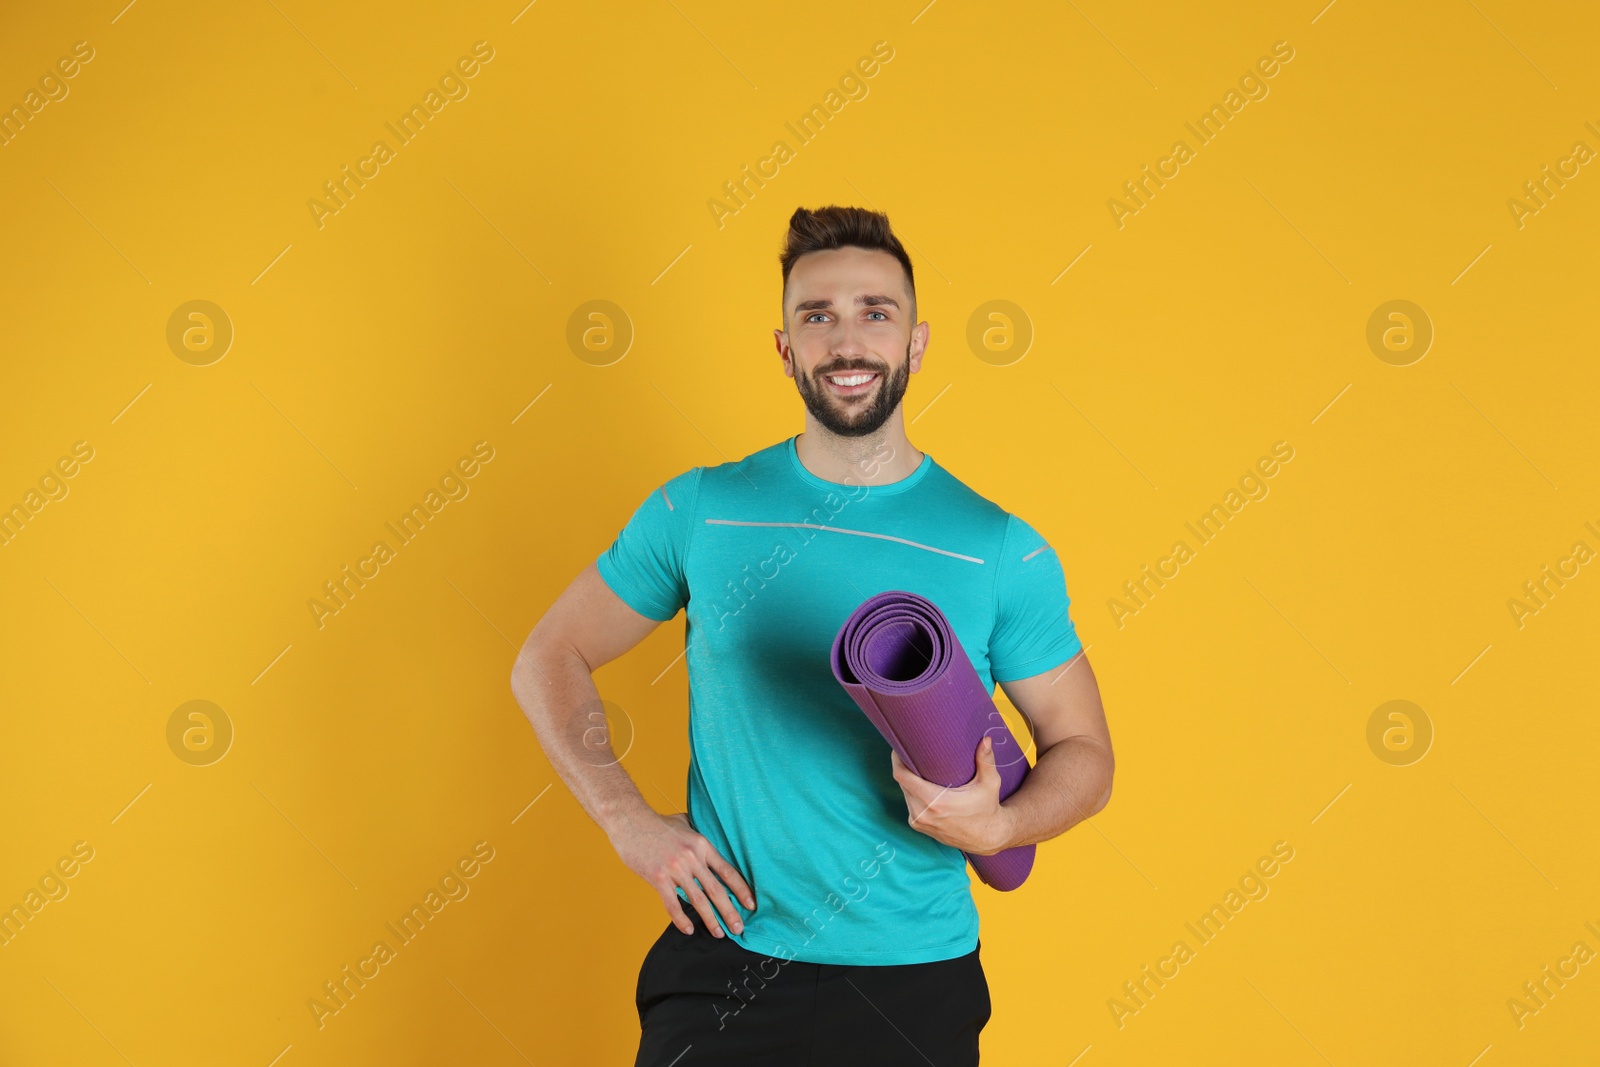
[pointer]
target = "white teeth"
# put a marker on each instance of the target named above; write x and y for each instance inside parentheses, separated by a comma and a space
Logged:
(854, 379)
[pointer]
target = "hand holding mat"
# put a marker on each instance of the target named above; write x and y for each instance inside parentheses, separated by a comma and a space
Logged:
(899, 660)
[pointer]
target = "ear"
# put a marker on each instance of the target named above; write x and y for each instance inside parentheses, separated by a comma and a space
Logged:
(781, 340)
(919, 344)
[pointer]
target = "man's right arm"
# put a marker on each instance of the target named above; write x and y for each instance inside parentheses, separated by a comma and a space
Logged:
(587, 627)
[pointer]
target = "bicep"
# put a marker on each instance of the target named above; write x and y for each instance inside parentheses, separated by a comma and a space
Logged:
(1060, 703)
(592, 621)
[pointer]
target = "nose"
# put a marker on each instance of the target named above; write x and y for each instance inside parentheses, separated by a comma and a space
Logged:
(847, 342)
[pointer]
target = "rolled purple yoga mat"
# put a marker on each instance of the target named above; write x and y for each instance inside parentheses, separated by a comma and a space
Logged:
(901, 663)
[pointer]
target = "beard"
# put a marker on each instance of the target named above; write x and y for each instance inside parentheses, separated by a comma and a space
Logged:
(855, 416)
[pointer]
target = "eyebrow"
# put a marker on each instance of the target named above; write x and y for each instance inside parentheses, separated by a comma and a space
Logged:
(866, 300)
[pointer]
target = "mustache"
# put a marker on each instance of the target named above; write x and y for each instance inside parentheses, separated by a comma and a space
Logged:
(850, 370)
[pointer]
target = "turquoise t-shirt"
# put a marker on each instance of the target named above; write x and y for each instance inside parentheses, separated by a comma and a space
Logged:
(787, 779)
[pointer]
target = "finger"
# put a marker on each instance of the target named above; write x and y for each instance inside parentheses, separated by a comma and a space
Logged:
(983, 766)
(702, 905)
(735, 881)
(724, 904)
(675, 912)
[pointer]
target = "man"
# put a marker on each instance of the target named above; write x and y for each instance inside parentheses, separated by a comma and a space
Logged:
(820, 903)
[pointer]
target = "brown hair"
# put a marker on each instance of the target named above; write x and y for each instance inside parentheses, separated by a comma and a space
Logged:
(838, 227)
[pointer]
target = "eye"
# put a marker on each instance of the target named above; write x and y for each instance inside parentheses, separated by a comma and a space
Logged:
(885, 316)
(814, 313)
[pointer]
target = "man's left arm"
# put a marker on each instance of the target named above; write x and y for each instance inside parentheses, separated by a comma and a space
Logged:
(1069, 782)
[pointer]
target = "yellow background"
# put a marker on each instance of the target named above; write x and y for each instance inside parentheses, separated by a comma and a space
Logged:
(372, 352)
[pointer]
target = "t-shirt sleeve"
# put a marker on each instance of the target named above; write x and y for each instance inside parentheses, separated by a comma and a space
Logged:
(645, 564)
(1033, 630)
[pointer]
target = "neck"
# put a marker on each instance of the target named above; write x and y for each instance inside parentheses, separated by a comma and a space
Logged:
(875, 459)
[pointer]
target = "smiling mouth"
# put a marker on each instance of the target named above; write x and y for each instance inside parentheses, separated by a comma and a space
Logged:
(852, 383)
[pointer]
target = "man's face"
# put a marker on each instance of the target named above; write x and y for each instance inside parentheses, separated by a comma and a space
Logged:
(850, 318)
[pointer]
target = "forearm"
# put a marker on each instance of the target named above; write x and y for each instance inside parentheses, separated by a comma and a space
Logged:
(557, 693)
(1070, 782)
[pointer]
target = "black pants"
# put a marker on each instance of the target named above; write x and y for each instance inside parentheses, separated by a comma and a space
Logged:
(706, 1001)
